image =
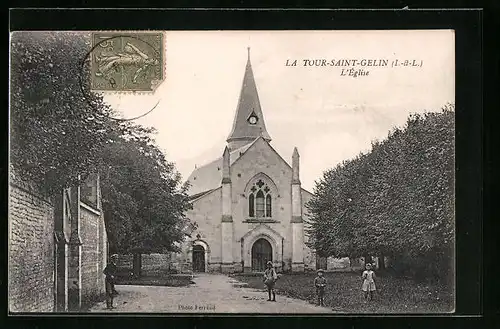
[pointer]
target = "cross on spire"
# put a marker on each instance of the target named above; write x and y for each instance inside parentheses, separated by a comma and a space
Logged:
(248, 50)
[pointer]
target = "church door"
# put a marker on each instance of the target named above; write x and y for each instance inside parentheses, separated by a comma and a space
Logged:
(262, 252)
(198, 259)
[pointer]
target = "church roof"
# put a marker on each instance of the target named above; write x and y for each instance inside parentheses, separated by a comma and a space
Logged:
(248, 106)
(209, 176)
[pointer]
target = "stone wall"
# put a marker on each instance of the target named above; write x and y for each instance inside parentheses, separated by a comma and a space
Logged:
(337, 263)
(152, 264)
(93, 262)
(32, 250)
(31, 258)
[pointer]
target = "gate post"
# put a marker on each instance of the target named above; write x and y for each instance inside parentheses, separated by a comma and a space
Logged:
(75, 253)
(62, 221)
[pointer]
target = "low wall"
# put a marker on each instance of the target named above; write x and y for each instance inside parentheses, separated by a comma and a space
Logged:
(152, 264)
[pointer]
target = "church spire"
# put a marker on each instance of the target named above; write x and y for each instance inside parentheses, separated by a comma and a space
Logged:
(248, 121)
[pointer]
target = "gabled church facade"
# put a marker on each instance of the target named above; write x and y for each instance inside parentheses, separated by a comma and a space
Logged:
(248, 205)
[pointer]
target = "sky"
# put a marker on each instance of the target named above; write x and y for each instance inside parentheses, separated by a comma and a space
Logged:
(327, 116)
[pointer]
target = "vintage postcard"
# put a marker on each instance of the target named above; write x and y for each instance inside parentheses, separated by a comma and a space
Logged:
(222, 172)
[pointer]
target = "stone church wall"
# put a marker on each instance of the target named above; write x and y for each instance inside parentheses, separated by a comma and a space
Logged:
(258, 161)
(31, 258)
(261, 158)
(206, 213)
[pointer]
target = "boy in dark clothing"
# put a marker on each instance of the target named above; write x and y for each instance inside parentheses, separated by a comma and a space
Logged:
(110, 272)
(320, 284)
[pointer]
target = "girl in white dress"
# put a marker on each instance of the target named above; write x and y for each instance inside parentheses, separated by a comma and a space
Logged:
(368, 282)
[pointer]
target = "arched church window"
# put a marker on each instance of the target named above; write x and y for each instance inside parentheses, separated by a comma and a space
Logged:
(268, 205)
(259, 204)
(251, 203)
(260, 200)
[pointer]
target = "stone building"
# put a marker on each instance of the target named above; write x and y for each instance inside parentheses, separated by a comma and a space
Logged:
(248, 204)
(57, 247)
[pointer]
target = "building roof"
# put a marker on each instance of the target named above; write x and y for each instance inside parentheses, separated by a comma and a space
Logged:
(248, 105)
(209, 176)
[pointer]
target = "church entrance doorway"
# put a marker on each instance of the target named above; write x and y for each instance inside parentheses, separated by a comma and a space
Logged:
(262, 252)
(198, 258)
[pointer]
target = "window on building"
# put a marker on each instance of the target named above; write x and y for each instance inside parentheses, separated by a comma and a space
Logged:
(259, 204)
(260, 201)
(268, 205)
(251, 204)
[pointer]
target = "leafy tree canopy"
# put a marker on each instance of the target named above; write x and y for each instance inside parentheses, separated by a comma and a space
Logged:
(60, 130)
(397, 199)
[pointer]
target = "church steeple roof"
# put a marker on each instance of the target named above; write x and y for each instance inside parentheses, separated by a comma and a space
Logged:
(248, 121)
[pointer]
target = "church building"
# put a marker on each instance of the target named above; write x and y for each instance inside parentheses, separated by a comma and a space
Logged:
(248, 204)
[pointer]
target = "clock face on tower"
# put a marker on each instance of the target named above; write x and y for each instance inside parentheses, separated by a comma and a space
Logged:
(252, 120)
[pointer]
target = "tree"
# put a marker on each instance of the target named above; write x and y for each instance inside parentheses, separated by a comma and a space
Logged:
(401, 198)
(143, 198)
(60, 130)
(57, 125)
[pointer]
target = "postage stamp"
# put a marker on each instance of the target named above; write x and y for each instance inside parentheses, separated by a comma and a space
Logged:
(127, 61)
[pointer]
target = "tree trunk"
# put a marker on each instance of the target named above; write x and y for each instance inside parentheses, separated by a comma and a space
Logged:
(381, 262)
(368, 259)
(137, 264)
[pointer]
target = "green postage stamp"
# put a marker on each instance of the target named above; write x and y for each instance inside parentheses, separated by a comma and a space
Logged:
(127, 61)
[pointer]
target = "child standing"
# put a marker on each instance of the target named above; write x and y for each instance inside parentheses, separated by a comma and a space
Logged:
(368, 282)
(270, 278)
(320, 284)
(110, 272)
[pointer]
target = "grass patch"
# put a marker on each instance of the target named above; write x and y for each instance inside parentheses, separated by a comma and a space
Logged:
(343, 293)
